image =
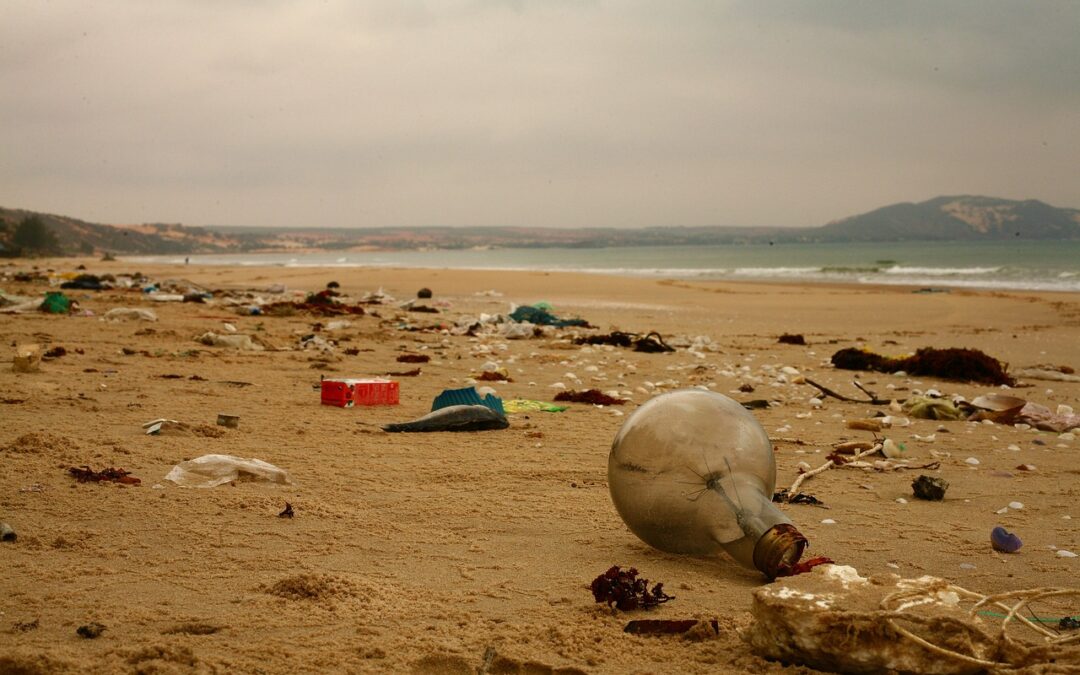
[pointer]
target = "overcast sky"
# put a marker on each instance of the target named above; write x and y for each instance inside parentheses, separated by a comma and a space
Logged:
(534, 113)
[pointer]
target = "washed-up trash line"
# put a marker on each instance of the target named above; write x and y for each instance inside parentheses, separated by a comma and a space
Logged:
(918, 596)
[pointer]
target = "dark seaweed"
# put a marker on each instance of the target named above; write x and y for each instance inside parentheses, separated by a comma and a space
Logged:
(624, 590)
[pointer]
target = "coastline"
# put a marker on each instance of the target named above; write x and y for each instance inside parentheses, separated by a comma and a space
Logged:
(421, 551)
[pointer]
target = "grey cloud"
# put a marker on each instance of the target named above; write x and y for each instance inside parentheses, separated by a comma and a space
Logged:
(527, 112)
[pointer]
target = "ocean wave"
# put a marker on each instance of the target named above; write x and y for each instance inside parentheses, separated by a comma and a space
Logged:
(939, 271)
(1055, 285)
(774, 272)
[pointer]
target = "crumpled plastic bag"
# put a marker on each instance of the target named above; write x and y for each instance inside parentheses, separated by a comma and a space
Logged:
(213, 470)
(234, 341)
(124, 313)
(928, 408)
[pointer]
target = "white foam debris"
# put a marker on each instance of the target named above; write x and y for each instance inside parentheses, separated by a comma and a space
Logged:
(845, 574)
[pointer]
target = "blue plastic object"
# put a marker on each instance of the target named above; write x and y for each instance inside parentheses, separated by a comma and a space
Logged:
(467, 396)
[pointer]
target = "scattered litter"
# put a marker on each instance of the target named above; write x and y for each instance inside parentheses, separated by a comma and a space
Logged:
(154, 427)
(129, 314)
(865, 425)
(7, 532)
(928, 408)
(454, 418)
(594, 396)
(233, 340)
(345, 393)
(230, 421)
(1046, 374)
(213, 470)
(967, 365)
(1003, 541)
(781, 496)
(538, 314)
(519, 405)
(623, 590)
(56, 303)
(929, 488)
(27, 359)
(467, 396)
(665, 487)
(651, 343)
(892, 449)
(755, 404)
(110, 475)
(90, 630)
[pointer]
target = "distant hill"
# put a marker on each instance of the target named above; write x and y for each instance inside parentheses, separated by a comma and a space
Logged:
(939, 219)
(77, 236)
(957, 218)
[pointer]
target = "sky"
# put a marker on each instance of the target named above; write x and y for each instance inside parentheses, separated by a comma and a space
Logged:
(532, 113)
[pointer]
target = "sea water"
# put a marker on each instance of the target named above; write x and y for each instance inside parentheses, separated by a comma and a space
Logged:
(1018, 265)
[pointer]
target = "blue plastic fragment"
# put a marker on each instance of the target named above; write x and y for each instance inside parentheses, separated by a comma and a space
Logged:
(467, 396)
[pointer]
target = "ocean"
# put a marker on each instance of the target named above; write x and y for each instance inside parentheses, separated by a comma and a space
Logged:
(1006, 265)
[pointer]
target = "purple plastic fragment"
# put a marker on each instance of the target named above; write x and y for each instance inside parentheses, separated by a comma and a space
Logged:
(1004, 541)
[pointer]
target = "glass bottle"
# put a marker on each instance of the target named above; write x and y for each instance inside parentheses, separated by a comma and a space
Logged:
(692, 471)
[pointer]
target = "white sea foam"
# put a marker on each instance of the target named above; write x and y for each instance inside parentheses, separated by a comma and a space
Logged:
(939, 271)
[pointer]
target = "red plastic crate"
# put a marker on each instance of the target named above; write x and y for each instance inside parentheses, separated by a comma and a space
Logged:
(347, 393)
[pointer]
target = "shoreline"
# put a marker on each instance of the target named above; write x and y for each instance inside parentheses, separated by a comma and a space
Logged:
(932, 285)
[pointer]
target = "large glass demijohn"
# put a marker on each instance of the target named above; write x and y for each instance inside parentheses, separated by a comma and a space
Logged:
(692, 471)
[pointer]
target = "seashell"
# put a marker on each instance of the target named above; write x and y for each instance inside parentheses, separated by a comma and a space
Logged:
(1004, 541)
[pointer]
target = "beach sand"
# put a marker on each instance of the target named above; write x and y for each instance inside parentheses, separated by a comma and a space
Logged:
(426, 552)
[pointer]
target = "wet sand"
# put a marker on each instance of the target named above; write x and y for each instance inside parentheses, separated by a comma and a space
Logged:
(426, 552)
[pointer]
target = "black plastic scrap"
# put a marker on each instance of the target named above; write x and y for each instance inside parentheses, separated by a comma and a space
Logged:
(966, 365)
(651, 343)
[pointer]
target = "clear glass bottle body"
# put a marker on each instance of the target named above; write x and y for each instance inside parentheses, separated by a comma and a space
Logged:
(692, 471)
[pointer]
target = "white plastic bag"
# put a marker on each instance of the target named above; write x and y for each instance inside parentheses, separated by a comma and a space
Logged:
(213, 470)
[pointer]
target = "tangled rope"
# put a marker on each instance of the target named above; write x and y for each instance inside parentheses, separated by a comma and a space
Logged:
(898, 605)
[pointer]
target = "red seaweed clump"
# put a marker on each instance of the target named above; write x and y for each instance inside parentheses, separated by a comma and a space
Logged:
(594, 396)
(624, 590)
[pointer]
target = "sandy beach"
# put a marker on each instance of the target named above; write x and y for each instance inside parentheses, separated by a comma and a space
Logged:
(473, 552)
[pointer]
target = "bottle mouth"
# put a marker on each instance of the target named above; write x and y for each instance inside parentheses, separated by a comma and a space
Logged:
(778, 550)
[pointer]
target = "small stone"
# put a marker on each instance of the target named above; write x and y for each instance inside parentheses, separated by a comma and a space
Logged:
(929, 488)
(901, 500)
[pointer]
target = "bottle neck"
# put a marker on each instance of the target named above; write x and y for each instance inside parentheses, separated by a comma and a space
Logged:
(778, 550)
